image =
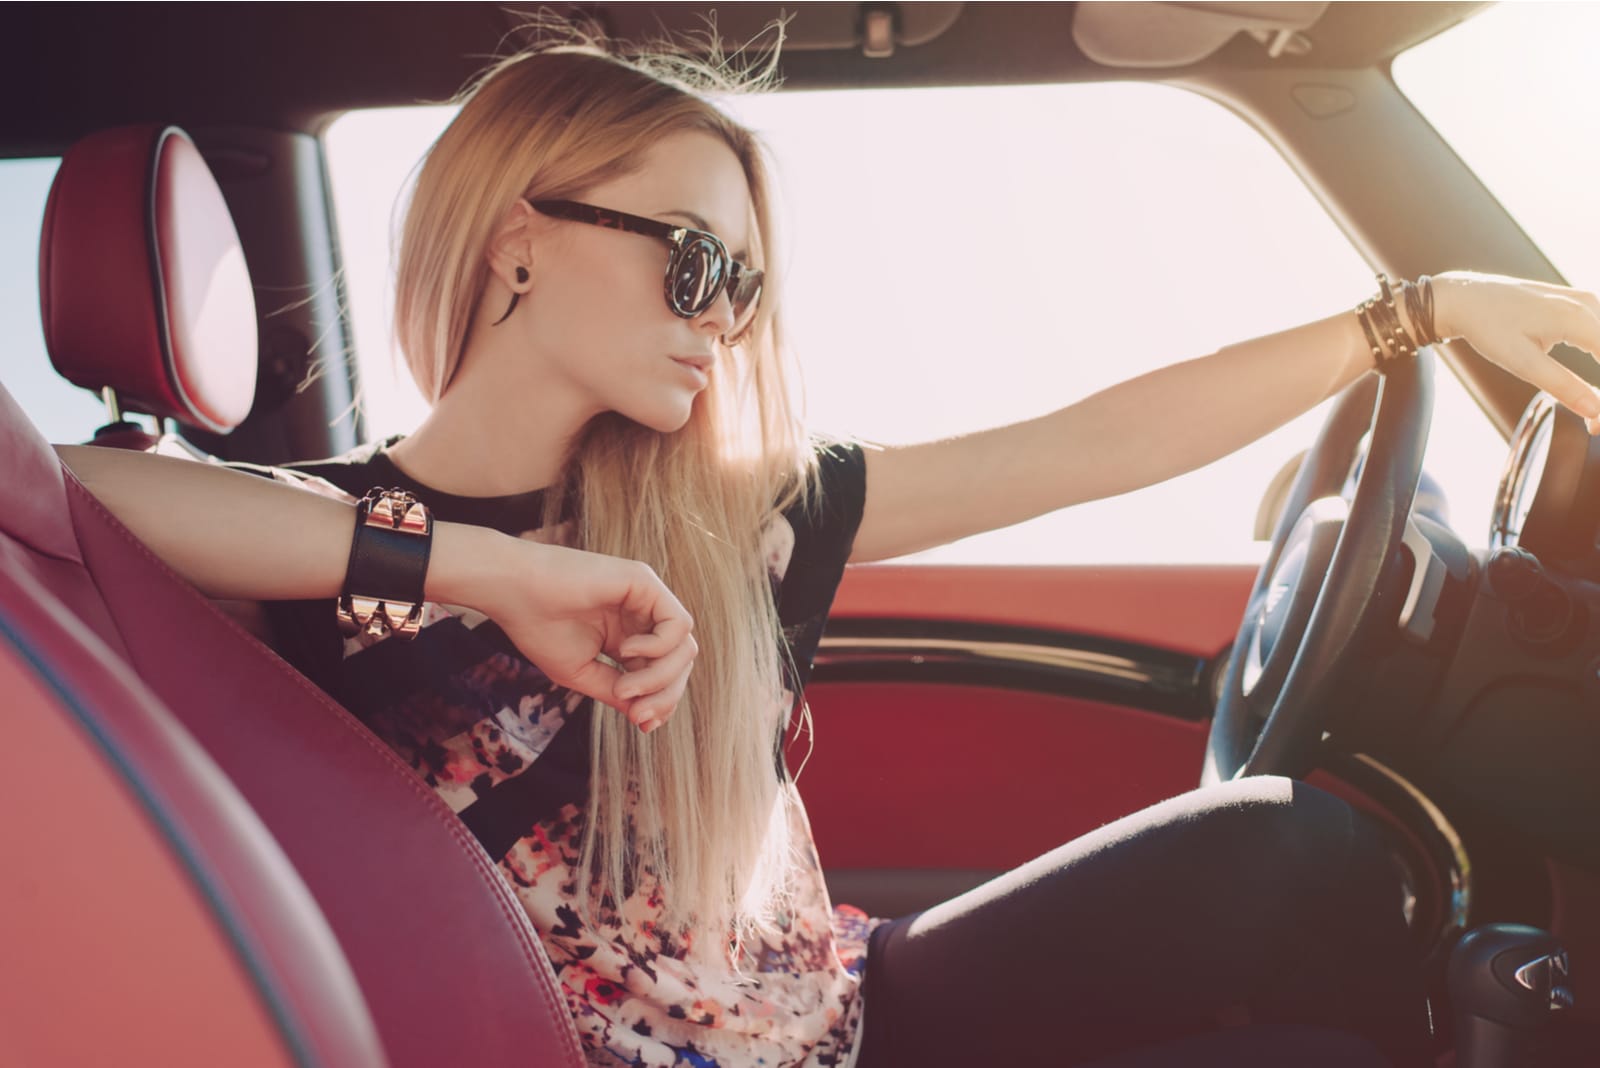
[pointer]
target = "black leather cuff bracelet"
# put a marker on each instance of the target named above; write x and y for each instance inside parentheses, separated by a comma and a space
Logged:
(388, 565)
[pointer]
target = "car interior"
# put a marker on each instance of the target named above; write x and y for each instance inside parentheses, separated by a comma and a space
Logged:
(263, 878)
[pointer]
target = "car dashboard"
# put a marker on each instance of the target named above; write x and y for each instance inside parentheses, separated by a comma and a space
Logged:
(1511, 733)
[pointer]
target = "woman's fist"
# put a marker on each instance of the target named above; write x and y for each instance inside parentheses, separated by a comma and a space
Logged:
(606, 627)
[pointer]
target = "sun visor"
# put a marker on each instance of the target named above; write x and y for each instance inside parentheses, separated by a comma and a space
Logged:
(1158, 34)
(874, 27)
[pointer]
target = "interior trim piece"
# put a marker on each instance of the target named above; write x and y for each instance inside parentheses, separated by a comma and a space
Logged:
(1428, 574)
(1433, 830)
(1447, 841)
(916, 650)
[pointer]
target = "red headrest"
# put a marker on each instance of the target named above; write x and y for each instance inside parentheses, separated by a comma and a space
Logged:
(142, 280)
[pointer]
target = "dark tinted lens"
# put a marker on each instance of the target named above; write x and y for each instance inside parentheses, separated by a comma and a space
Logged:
(746, 299)
(697, 277)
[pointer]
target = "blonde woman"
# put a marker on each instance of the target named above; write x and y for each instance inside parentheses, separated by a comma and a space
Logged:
(622, 492)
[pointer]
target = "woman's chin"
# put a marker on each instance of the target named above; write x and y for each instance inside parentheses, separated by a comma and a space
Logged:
(663, 418)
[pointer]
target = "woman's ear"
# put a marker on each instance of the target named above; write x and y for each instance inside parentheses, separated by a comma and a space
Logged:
(511, 250)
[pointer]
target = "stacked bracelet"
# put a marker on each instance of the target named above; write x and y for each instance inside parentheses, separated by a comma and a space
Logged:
(1380, 321)
(1419, 304)
(388, 566)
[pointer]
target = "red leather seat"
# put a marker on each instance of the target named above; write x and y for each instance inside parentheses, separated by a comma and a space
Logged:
(245, 759)
(149, 917)
(143, 287)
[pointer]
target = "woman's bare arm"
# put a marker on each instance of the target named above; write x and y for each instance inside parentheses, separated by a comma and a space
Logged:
(240, 537)
(1178, 418)
(237, 536)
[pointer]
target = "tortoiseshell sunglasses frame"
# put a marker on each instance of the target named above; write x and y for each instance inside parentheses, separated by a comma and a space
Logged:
(741, 280)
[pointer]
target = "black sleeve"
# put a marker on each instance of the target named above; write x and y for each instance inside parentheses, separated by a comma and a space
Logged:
(824, 533)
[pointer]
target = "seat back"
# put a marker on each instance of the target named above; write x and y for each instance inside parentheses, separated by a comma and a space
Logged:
(448, 964)
(147, 915)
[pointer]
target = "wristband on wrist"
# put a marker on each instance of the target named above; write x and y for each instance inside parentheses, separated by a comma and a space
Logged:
(1419, 303)
(1380, 321)
(388, 566)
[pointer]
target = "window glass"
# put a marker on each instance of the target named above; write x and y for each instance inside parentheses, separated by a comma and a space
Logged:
(61, 411)
(1516, 91)
(963, 258)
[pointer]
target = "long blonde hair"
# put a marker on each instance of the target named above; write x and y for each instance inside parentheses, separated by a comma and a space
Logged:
(696, 811)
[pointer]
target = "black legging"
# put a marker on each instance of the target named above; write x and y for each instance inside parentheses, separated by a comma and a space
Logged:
(1263, 900)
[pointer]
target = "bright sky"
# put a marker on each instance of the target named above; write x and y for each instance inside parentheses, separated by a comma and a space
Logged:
(960, 259)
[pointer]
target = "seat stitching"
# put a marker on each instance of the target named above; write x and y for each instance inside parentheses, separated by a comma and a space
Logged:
(501, 892)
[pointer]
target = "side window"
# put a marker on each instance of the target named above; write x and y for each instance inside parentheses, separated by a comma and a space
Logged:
(963, 258)
(372, 156)
(61, 411)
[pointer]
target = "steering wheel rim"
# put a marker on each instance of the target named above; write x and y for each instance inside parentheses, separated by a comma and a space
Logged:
(1270, 710)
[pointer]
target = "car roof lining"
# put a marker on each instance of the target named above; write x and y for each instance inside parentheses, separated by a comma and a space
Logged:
(296, 67)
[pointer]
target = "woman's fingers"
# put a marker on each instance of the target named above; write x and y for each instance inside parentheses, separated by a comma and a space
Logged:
(667, 636)
(1517, 322)
(648, 601)
(1566, 387)
(606, 627)
(654, 690)
(1577, 323)
(660, 672)
(599, 681)
(653, 711)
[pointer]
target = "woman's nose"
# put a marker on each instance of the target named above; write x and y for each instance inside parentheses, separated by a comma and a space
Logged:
(717, 319)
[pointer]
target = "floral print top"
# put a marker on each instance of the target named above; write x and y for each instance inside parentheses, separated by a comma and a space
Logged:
(508, 751)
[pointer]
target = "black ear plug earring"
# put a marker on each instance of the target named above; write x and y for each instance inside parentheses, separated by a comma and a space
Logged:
(522, 278)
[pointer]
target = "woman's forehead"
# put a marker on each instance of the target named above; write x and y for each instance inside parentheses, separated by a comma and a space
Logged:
(691, 177)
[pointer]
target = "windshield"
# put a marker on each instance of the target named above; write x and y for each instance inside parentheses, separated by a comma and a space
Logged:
(961, 258)
(1516, 92)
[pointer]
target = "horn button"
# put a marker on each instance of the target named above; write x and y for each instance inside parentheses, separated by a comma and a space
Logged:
(1281, 613)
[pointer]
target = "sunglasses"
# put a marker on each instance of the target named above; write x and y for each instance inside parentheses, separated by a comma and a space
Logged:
(698, 269)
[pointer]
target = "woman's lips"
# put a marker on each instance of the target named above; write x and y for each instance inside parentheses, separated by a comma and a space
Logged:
(699, 366)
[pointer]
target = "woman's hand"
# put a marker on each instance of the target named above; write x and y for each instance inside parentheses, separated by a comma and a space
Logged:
(1515, 323)
(565, 609)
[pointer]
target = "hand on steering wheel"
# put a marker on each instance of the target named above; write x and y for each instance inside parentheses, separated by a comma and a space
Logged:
(1514, 322)
(1321, 588)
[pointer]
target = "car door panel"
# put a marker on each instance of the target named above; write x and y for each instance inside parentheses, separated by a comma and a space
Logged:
(968, 719)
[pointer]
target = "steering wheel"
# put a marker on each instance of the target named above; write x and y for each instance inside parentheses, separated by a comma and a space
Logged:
(1321, 589)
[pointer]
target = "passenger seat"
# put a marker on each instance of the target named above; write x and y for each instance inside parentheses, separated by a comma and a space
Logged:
(176, 720)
